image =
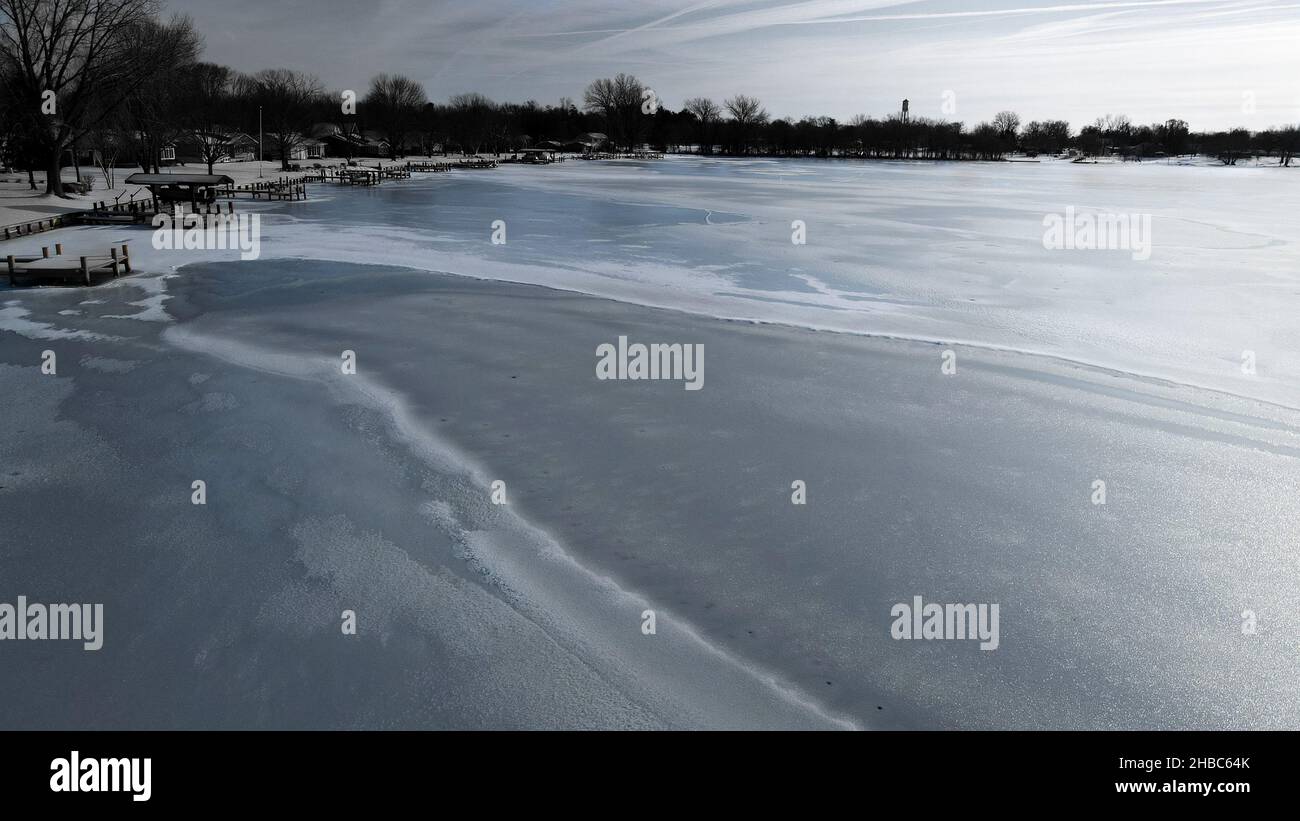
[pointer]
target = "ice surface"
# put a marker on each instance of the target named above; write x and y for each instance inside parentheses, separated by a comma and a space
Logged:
(371, 493)
(950, 252)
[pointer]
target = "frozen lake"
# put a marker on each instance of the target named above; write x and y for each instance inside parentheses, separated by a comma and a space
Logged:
(371, 491)
(951, 252)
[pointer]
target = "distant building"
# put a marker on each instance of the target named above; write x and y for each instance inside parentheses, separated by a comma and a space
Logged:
(308, 149)
(587, 143)
(535, 155)
(226, 146)
(338, 143)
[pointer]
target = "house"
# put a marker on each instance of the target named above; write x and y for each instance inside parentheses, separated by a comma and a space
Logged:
(304, 147)
(587, 143)
(308, 149)
(340, 143)
(127, 152)
(223, 146)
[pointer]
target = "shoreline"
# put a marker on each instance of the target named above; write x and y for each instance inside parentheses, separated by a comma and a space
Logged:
(15, 193)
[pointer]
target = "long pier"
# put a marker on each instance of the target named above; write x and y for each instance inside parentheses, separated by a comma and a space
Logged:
(370, 175)
(26, 229)
(625, 155)
(430, 167)
(284, 188)
(374, 175)
(132, 212)
(101, 212)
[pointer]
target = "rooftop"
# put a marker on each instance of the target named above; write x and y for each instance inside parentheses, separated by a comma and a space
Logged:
(178, 179)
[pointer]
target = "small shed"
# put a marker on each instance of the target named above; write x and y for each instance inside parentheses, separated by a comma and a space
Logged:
(178, 188)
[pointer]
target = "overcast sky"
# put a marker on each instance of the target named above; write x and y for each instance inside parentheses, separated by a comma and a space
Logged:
(1214, 63)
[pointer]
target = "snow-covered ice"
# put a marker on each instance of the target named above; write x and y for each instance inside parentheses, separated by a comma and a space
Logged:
(329, 492)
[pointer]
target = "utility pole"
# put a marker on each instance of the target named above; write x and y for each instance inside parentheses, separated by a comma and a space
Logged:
(259, 142)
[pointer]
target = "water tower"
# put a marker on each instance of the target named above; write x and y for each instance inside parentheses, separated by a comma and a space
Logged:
(904, 110)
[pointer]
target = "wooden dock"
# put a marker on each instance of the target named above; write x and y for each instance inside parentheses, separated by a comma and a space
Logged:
(26, 229)
(376, 174)
(430, 167)
(350, 175)
(100, 214)
(362, 174)
(129, 212)
(142, 211)
(284, 188)
(68, 267)
(625, 155)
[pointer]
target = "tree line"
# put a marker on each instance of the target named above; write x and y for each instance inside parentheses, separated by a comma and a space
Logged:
(114, 79)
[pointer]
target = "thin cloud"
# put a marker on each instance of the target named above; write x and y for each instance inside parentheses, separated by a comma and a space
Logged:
(1074, 60)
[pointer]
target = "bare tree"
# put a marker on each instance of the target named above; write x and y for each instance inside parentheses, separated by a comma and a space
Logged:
(1172, 136)
(1007, 123)
(107, 142)
(156, 108)
(17, 148)
(1115, 130)
(433, 126)
(470, 119)
(207, 90)
(72, 63)
(394, 103)
(747, 113)
(707, 113)
(618, 102)
(287, 100)
(1288, 144)
(987, 142)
